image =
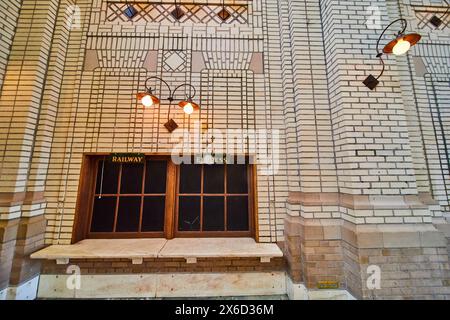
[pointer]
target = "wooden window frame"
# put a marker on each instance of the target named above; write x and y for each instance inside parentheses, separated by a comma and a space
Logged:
(86, 194)
(225, 195)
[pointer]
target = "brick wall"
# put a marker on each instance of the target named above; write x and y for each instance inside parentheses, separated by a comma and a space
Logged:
(413, 260)
(98, 111)
(348, 156)
(9, 13)
(124, 266)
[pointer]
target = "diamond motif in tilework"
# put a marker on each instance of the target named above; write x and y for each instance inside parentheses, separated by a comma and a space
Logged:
(224, 14)
(432, 19)
(196, 13)
(174, 61)
(130, 12)
(177, 13)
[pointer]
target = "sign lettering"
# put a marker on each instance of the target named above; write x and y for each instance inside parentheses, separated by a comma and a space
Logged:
(127, 158)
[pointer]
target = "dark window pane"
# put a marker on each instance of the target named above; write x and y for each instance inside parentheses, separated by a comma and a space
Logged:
(131, 180)
(128, 214)
(237, 178)
(190, 178)
(153, 214)
(189, 214)
(155, 177)
(110, 178)
(214, 176)
(213, 215)
(103, 214)
(237, 213)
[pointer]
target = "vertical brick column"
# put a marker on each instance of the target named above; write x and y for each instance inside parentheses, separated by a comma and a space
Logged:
(375, 215)
(30, 238)
(373, 150)
(21, 211)
(9, 13)
(8, 233)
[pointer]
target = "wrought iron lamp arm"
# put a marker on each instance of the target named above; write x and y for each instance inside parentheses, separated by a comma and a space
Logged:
(149, 89)
(446, 11)
(405, 23)
(171, 93)
(380, 53)
(185, 85)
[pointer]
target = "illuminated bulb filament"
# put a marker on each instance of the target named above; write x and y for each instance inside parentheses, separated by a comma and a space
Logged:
(401, 47)
(147, 101)
(188, 108)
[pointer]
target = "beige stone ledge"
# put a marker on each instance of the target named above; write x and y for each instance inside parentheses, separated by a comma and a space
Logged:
(369, 236)
(138, 249)
(103, 248)
(219, 247)
(419, 201)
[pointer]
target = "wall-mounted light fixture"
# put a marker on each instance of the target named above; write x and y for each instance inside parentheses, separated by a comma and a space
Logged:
(148, 99)
(398, 46)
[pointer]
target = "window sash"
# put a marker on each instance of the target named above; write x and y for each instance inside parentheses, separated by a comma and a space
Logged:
(87, 193)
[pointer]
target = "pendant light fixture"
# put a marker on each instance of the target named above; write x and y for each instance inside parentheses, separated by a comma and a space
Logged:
(188, 106)
(398, 46)
(148, 99)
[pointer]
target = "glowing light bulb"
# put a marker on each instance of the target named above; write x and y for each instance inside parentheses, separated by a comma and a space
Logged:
(147, 101)
(401, 47)
(188, 108)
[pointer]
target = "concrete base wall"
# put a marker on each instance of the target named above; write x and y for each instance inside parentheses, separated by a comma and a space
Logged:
(163, 285)
(18, 273)
(412, 259)
(176, 285)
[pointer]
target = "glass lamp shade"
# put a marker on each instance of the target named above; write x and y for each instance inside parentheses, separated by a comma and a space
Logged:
(188, 106)
(402, 44)
(148, 100)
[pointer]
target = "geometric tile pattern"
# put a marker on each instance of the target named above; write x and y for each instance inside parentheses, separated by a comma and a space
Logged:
(196, 13)
(424, 16)
(174, 61)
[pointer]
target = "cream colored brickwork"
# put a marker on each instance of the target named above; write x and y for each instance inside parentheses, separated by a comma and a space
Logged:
(9, 13)
(294, 66)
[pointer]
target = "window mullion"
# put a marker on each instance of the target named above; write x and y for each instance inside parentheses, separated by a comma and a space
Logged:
(225, 199)
(144, 172)
(201, 196)
(116, 212)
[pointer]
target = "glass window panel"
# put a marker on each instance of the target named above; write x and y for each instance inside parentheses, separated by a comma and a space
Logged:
(237, 213)
(189, 214)
(190, 178)
(110, 178)
(103, 214)
(213, 214)
(237, 178)
(131, 179)
(155, 177)
(153, 214)
(128, 214)
(214, 178)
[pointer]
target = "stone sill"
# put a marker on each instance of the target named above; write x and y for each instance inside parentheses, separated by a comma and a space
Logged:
(138, 249)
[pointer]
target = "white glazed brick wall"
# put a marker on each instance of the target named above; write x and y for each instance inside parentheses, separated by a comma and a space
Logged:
(371, 135)
(9, 13)
(21, 95)
(427, 100)
(104, 115)
(335, 134)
